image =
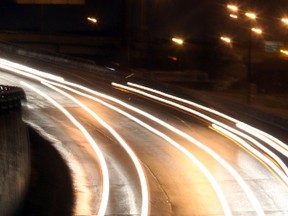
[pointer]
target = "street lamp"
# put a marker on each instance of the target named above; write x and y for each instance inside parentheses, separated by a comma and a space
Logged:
(226, 39)
(284, 20)
(232, 7)
(92, 19)
(256, 30)
(251, 15)
(178, 41)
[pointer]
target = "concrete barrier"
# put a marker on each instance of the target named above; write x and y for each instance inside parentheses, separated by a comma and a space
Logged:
(14, 151)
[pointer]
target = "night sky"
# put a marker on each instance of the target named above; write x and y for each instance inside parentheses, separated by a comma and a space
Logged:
(191, 19)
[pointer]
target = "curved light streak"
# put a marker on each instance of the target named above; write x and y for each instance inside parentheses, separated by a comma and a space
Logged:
(206, 172)
(269, 139)
(31, 70)
(105, 174)
(230, 169)
(15, 68)
(203, 116)
(136, 161)
(272, 141)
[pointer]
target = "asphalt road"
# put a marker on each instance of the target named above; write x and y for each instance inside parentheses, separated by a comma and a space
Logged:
(189, 167)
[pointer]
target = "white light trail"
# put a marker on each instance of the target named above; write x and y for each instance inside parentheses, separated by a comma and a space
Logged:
(209, 176)
(16, 68)
(136, 161)
(30, 70)
(269, 139)
(103, 165)
(233, 172)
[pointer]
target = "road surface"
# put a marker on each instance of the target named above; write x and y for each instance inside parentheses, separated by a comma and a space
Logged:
(134, 151)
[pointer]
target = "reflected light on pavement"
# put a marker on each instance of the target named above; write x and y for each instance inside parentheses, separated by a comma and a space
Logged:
(105, 174)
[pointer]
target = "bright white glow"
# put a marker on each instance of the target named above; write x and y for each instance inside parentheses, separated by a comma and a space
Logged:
(232, 7)
(233, 172)
(284, 20)
(103, 165)
(251, 15)
(257, 30)
(178, 41)
(92, 19)
(136, 161)
(263, 148)
(209, 176)
(273, 142)
(233, 16)
(284, 51)
(226, 39)
(30, 70)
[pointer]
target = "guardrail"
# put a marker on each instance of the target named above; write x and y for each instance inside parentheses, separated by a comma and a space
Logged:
(10, 98)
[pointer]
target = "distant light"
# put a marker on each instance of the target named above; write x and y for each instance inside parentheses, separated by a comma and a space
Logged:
(110, 68)
(94, 20)
(250, 15)
(178, 41)
(232, 7)
(257, 30)
(173, 58)
(284, 20)
(284, 51)
(226, 39)
(233, 16)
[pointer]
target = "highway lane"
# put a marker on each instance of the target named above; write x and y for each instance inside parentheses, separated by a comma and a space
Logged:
(176, 184)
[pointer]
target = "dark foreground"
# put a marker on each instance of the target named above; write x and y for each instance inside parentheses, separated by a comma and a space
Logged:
(51, 190)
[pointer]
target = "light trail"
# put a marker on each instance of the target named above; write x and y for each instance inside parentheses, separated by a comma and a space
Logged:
(203, 116)
(259, 210)
(16, 68)
(233, 172)
(30, 70)
(105, 174)
(136, 161)
(269, 139)
(205, 171)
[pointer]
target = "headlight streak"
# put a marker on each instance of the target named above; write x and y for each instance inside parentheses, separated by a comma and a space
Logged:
(252, 150)
(203, 116)
(30, 70)
(105, 174)
(13, 67)
(139, 168)
(206, 172)
(91, 90)
(269, 139)
(233, 172)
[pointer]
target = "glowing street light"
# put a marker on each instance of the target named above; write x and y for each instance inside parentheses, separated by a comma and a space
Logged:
(257, 30)
(92, 19)
(178, 41)
(226, 39)
(250, 15)
(285, 52)
(284, 20)
(233, 16)
(232, 7)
